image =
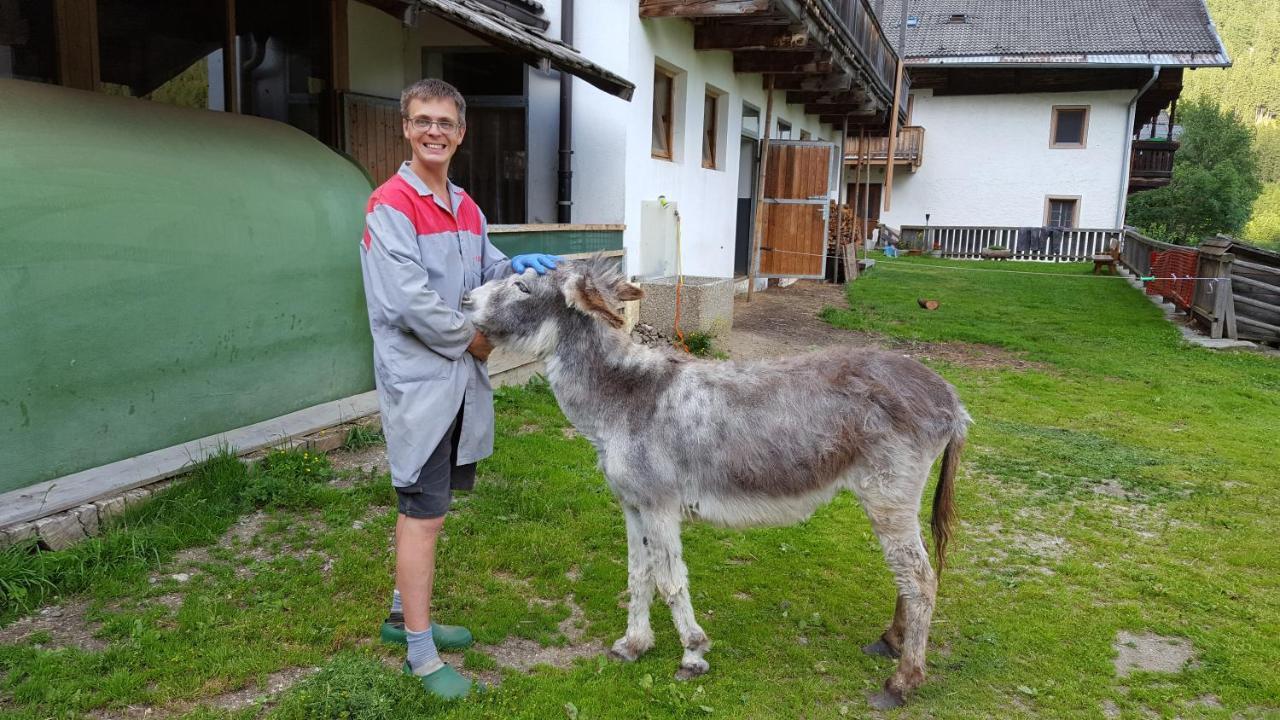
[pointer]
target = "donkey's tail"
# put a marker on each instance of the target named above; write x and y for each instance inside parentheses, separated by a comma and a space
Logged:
(944, 500)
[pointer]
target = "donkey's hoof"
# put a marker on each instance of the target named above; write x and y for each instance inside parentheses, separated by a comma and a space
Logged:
(886, 699)
(692, 670)
(882, 649)
(627, 651)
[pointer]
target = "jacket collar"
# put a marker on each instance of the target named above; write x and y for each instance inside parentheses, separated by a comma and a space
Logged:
(408, 175)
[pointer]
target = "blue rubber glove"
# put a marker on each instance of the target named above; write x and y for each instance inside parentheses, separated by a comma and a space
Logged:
(540, 262)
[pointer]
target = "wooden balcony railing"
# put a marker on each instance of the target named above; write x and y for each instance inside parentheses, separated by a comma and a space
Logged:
(875, 150)
(860, 21)
(1151, 164)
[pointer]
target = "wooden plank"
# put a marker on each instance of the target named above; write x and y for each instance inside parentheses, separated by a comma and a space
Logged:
(66, 492)
(723, 36)
(76, 32)
(701, 8)
(1266, 306)
(1256, 267)
(1245, 320)
(1249, 282)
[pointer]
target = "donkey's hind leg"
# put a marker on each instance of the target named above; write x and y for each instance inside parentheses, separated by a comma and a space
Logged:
(640, 581)
(894, 517)
(890, 642)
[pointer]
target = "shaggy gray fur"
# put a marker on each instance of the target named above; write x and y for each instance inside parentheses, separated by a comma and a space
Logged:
(736, 444)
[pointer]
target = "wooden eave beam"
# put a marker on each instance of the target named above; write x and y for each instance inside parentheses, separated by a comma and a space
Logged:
(834, 82)
(800, 97)
(715, 35)
(702, 8)
(839, 108)
(781, 62)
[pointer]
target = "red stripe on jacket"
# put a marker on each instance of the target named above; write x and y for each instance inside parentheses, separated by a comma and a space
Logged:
(427, 217)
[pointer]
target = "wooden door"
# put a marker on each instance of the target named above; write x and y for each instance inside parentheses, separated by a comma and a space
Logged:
(871, 203)
(372, 134)
(796, 189)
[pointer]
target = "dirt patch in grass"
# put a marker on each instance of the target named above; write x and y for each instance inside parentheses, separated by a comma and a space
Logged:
(64, 626)
(1148, 652)
(786, 321)
(523, 654)
(972, 355)
(369, 460)
(233, 701)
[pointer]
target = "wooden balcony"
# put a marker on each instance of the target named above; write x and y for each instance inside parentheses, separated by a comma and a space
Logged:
(1151, 164)
(831, 56)
(875, 150)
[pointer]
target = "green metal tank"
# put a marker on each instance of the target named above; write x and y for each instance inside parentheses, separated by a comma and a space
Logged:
(166, 274)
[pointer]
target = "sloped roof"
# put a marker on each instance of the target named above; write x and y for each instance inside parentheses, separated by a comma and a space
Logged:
(1105, 32)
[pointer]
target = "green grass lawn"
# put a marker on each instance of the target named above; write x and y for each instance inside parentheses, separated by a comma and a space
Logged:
(1115, 480)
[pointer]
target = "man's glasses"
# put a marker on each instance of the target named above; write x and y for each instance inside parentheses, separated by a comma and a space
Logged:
(423, 124)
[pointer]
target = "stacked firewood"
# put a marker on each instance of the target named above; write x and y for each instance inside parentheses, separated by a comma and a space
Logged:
(845, 227)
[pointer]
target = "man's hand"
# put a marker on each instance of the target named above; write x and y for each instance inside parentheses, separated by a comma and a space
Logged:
(480, 347)
(540, 263)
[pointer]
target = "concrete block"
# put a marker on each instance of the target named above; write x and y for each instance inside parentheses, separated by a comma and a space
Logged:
(61, 531)
(135, 496)
(17, 534)
(110, 508)
(706, 304)
(87, 515)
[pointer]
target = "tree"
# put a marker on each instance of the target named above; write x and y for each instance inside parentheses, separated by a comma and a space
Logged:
(1264, 227)
(1214, 180)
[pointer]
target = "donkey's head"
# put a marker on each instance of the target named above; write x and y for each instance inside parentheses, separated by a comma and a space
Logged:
(530, 312)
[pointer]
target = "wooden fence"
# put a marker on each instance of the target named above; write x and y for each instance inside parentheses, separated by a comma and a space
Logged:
(957, 241)
(1230, 288)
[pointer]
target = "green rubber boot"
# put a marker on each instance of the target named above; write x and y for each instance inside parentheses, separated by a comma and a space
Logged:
(446, 637)
(444, 683)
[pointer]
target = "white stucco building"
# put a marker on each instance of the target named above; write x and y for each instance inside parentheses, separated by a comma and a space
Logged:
(1029, 111)
(702, 160)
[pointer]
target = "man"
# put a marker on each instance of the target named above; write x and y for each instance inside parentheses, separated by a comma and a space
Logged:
(425, 246)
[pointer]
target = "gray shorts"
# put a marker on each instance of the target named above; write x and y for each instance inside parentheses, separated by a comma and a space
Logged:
(429, 496)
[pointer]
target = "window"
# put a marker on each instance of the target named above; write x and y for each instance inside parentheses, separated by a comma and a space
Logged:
(750, 121)
(27, 49)
(784, 130)
(709, 131)
(663, 116)
(1070, 127)
(1061, 212)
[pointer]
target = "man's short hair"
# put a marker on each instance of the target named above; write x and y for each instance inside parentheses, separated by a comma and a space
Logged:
(431, 89)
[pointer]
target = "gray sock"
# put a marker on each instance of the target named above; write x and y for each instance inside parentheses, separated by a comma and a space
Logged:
(396, 607)
(423, 657)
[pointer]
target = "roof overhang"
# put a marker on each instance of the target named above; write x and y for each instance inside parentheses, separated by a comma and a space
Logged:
(1143, 60)
(510, 35)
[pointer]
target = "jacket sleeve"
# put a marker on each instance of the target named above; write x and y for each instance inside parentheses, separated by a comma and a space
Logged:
(400, 288)
(494, 264)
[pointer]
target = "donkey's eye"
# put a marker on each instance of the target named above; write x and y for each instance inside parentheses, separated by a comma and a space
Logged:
(523, 288)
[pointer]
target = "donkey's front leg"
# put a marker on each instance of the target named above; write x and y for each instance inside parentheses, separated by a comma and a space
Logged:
(639, 637)
(662, 533)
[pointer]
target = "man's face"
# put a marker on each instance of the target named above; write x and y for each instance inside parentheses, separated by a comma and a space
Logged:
(433, 146)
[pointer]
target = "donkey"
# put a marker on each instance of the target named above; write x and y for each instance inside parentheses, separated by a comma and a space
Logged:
(738, 444)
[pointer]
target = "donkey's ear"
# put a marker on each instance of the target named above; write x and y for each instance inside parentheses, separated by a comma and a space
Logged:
(583, 294)
(628, 291)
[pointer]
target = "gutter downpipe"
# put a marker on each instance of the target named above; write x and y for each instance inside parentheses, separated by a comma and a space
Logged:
(564, 192)
(1127, 165)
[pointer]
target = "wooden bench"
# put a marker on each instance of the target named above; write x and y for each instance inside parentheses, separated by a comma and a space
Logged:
(1110, 259)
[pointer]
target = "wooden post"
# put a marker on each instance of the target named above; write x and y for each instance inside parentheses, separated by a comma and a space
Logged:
(839, 244)
(230, 63)
(76, 31)
(887, 194)
(758, 231)
(339, 70)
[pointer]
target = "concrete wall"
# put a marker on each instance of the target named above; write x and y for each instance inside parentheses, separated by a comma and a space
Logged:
(619, 187)
(987, 160)
(614, 171)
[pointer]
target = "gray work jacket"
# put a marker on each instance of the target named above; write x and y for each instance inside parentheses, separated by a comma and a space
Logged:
(419, 254)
